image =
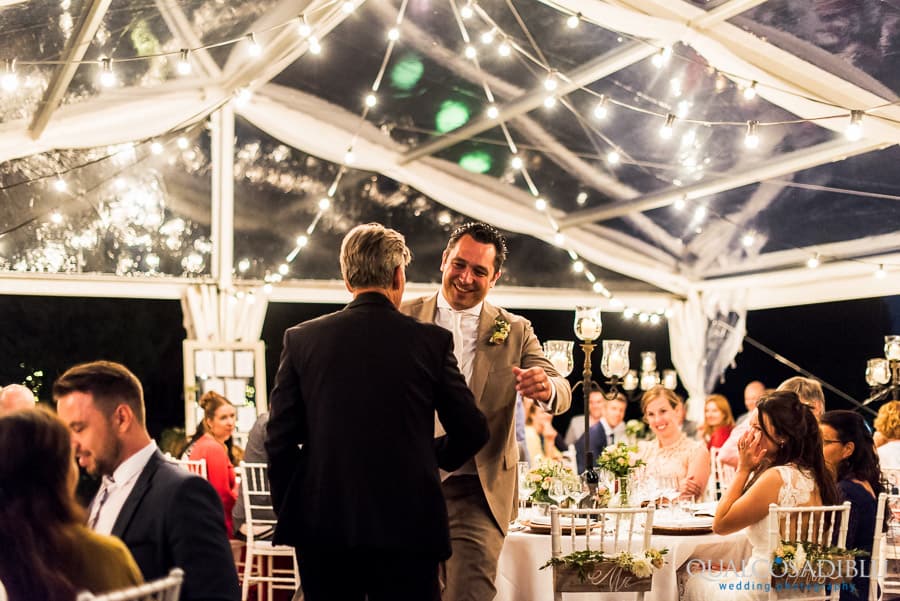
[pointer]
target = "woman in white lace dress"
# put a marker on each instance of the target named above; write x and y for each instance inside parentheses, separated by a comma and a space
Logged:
(780, 461)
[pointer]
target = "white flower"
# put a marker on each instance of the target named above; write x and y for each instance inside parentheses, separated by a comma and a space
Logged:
(800, 558)
(642, 568)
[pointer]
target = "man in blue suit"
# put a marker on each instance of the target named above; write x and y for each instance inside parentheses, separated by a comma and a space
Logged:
(166, 516)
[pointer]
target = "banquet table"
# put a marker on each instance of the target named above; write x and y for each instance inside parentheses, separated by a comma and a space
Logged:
(520, 579)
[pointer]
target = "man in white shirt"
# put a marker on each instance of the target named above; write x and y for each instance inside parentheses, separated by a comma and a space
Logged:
(752, 392)
(499, 355)
(613, 419)
(166, 516)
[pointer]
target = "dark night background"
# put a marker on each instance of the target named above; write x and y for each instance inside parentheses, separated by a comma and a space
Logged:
(831, 340)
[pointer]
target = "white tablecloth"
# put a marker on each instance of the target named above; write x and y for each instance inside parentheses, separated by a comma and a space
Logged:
(519, 579)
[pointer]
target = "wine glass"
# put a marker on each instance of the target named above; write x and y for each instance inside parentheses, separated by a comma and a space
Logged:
(667, 488)
(579, 491)
(559, 491)
(526, 487)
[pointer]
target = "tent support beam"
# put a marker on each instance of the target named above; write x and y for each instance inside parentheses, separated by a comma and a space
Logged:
(90, 21)
(223, 196)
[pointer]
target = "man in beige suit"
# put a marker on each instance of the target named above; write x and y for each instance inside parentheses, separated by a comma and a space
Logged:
(499, 355)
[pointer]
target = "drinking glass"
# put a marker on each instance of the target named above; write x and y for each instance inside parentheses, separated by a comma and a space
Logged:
(559, 491)
(525, 489)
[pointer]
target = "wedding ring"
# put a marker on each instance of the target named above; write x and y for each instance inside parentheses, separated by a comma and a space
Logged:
(542, 386)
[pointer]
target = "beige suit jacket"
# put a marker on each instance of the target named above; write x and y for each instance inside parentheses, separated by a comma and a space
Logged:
(494, 386)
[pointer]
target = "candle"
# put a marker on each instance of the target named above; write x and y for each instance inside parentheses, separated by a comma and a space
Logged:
(561, 362)
(618, 365)
(648, 361)
(892, 347)
(670, 379)
(588, 329)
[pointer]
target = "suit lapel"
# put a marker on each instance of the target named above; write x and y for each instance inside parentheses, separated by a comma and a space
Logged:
(484, 358)
(426, 310)
(137, 493)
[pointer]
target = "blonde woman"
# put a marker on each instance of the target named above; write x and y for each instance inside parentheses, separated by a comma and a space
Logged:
(887, 423)
(672, 454)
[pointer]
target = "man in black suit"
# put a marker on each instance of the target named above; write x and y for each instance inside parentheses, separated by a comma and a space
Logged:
(353, 461)
(166, 516)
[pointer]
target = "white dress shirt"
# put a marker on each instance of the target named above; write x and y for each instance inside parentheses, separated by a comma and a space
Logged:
(117, 488)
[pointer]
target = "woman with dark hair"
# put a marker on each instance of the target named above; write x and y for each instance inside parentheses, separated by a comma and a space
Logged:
(850, 454)
(779, 461)
(212, 442)
(46, 552)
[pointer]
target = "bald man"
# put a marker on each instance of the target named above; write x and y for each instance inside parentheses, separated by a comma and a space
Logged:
(14, 397)
(752, 392)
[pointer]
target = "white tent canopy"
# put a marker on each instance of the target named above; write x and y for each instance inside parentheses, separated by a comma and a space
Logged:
(696, 225)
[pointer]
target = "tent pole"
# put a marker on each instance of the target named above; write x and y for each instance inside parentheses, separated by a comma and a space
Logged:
(223, 196)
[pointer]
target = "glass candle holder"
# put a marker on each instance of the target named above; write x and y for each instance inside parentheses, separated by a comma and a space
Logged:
(587, 323)
(878, 372)
(559, 353)
(892, 347)
(670, 379)
(648, 361)
(630, 381)
(615, 358)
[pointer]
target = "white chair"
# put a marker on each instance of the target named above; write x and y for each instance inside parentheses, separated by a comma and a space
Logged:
(886, 548)
(260, 522)
(811, 525)
(163, 589)
(195, 466)
(620, 529)
(720, 476)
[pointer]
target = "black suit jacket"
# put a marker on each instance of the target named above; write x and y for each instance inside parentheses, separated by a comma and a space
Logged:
(598, 443)
(173, 518)
(358, 389)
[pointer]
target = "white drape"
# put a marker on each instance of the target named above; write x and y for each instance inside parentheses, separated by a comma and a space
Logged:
(213, 316)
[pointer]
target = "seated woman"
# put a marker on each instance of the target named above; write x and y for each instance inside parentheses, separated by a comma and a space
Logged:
(540, 435)
(851, 457)
(779, 461)
(672, 454)
(212, 442)
(46, 552)
(887, 424)
(718, 423)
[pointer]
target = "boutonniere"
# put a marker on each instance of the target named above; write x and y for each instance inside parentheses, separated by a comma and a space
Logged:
(500, 331)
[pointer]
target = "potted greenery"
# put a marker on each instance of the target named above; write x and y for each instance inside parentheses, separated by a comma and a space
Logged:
(591, 571)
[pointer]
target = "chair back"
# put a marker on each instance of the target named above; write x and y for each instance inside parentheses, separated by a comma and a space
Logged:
(892, 475)
(824, 525)
(259, 516)
(609, 531)
(886, 547)
(164, 589)
(720, 476)
(195, 466)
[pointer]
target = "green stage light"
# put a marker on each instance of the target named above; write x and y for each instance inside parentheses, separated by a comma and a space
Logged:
(477, 161)
(451, 115)
(407, 72)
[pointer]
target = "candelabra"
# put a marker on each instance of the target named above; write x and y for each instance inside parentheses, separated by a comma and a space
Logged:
(883, 374)
(649, 377)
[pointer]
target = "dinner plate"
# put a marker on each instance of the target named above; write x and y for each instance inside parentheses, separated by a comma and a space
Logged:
(541, 525)
(682, 525)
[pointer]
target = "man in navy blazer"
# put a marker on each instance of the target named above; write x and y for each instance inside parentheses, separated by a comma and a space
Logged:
(358, 389)
(166, 516)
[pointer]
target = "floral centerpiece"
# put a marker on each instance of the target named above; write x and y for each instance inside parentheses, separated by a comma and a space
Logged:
(635, 429)
(805, 564)
(592, 571)
(542, 477)
(620, 460)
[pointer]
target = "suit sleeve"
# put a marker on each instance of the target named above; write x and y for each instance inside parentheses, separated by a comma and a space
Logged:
(287, 423)
(533, 356)
(199, 544)
(464, 423)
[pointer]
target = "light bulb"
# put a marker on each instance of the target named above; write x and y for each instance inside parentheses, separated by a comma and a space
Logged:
(550, 83)
(601, 110)
(550, 102)
(253, 47)
(107, 77)
(578, 266)
(60, 185)
(242, 96)
(348, 7)
(10, 79)
(184, 62)
(487, 37)
(504, 49)
(751, 140)
(679, 204)
(700, 213)
(349, 157)
(613, 157)
(582, 197)
(371, 100)
(56, 217)
(182, 142)
(750, 91)
(466, 12)
(573, 21)
(492, 111)
(243, 265)
(324, 203)
(470, 52)
(599, 288)
(284, 269)
(881, 272)
(854, 129)
(661, 58)
(748, 239)
(156, 147)
(813, 261)
(314, 45)
(559, 239)
(302, 240)
(665, 131)
(393, 34)
(303, 28)
(516, 162)
(540, 204)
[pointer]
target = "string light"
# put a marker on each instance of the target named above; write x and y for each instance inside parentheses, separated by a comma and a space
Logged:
(156, 147)
(559, 239)
(371, 100)
(679, 204)
(107, 77)
(303, 27)
(578, 266)
(662, 57)
(60, 185)
(748, 239)
(487, 37)
(601, 110)
(302, 240)
(284, 269)
(540, 204)
(393, 34)
(550, 84)
(854, 129)
(751, 140)
(471, 52)
(314, 45)
(665, 131)
(243, 265)
(10, 79)
(242, 96)
(182, 142)
(881, 272)
(550, 102)
(504, 49)
(813, 261)
(56, 217)
(516, 162)
(184, 62)
(573, 21)
(324, 203)
(492, 111)
(581, 199)
(613, 157)
(348, 7)
(699, 213)
(466, 11)
(349, 157)
(750, 91)
(253, 47)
